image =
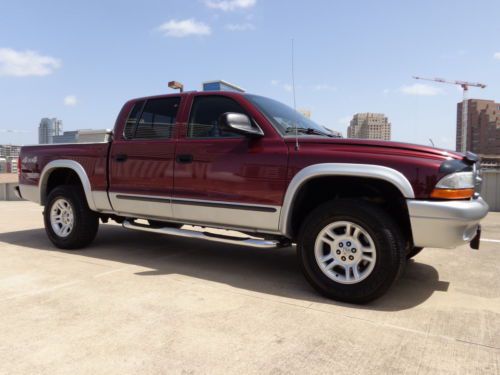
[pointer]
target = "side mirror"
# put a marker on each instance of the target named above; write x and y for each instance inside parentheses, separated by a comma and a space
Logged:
(239, 123)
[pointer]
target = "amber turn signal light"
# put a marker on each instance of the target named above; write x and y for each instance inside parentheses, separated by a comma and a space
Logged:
(452, 193)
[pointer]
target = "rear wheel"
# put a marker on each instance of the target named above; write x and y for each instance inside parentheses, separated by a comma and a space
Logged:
(350, 250)
(69, 223)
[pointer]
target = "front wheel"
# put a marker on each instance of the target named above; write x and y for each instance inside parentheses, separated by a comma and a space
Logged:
(69, 223)
(350, 250)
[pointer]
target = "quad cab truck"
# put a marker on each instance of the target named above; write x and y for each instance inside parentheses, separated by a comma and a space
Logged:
(356, 209)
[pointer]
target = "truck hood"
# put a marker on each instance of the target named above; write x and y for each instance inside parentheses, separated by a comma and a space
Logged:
(385, 147)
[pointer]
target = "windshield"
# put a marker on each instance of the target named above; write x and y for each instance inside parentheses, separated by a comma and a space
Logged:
(285, 119)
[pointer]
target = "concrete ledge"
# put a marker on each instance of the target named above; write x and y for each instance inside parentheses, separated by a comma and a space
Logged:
(7, 192)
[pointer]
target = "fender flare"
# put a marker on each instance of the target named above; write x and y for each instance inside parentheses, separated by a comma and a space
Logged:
(387, 174)
(67, 164)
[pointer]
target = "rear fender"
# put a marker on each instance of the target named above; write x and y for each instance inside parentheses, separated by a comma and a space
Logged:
(68, 164)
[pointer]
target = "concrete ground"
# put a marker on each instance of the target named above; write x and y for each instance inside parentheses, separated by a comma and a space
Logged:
(140, 303)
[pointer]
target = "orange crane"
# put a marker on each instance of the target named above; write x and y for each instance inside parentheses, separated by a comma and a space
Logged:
(465, 86)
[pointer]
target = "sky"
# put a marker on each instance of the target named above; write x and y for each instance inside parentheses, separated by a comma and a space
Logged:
(80, 61)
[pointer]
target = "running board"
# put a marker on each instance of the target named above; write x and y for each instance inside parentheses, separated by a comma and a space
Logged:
(246, 241)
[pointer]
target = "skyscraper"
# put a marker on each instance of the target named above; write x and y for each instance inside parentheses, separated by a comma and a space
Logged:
(48, 129)
(483, 127)
(370, 126)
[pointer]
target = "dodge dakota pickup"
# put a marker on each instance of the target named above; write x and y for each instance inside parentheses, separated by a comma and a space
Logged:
(356, 209)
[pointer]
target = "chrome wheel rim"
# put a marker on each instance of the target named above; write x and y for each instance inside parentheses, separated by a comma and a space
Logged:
(345, 252)
(61, 217)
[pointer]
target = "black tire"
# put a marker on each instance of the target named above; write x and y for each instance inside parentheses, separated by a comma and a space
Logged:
(413, 252)
(162, 224)
(386, 237)
(85, 221)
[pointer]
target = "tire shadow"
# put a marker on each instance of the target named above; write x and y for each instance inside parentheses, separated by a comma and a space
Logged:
(275, 272)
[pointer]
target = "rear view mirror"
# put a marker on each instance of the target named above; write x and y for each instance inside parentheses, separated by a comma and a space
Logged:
(239, 123)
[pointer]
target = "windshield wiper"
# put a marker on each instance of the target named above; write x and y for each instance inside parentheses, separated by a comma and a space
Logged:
(307, 131)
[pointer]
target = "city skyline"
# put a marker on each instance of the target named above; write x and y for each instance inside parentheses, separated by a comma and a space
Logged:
(369, 126)
(83, 76)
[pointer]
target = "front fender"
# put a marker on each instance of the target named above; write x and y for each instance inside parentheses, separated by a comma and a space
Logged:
(390, 175)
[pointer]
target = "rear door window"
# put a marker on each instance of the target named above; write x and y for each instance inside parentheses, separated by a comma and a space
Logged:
(156, 121)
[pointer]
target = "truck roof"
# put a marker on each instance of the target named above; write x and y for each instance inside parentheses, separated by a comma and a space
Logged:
(186, 93)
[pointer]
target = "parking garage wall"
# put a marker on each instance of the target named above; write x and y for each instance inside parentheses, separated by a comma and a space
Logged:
(491, 189)
(7, 192)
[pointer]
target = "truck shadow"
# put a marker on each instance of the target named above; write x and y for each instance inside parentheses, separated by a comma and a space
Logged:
(275, 272)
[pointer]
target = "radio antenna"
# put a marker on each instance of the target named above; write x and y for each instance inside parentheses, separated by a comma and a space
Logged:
(294, 103)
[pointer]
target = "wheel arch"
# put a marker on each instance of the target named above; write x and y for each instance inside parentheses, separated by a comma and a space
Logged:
(388, 176)
(72, 167)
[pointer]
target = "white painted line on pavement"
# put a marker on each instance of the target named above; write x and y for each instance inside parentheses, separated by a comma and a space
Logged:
(111, 271)
(489, 240)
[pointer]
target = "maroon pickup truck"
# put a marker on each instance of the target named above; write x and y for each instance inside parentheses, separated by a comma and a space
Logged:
(356, 209)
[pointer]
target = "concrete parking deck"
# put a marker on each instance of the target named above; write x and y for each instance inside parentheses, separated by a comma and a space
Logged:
(140, 303)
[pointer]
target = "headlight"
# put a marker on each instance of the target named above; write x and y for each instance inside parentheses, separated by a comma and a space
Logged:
(459, 185)
(458, 180)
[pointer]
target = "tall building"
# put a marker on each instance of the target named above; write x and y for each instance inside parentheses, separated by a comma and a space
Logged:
(49, 127)
(369, 126)
(483, 127)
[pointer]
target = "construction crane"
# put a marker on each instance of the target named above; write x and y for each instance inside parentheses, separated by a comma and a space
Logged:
(465, 86)
(13, 131)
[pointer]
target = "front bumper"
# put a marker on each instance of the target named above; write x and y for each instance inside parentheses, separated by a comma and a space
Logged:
(445, 224)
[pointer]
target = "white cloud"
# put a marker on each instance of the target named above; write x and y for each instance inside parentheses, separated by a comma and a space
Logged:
(70, 101)
(421, 89)
(274, 82)
(324, 87)
(26, 63)
(230, 5)
(496, 56)
(288, 87)
(183, 28)
(240, 26)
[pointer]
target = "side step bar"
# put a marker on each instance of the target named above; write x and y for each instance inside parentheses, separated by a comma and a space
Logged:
(251, 242)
